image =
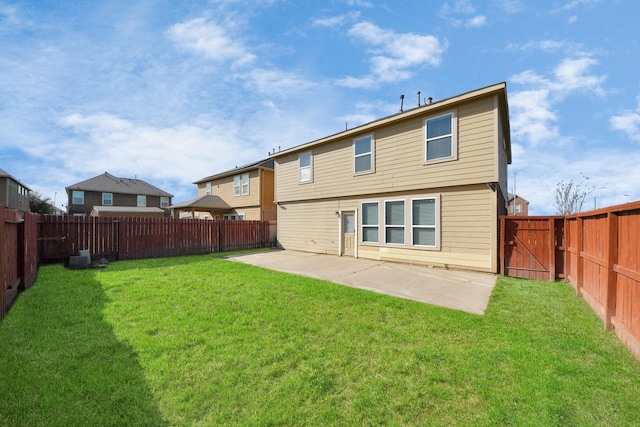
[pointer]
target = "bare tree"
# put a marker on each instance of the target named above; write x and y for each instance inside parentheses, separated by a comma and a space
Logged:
(569, 197)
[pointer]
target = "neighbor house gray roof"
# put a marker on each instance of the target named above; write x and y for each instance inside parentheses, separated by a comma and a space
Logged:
(204, 203)
(5, 174)
(264, 163)
(108, 183)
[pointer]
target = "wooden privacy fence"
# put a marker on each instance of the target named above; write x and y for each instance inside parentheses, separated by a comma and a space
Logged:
(598, 252)
(603, 265)
(125, 238)
(18, 254)
(27, 239)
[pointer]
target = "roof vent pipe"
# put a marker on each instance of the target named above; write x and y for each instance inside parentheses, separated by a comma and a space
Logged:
(429, 100)
(418, 98)
(401, 102)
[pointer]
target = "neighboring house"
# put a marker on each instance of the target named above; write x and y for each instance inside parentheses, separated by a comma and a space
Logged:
(518, 205)
(424, 186)
(13, 193)
(242, 193)
(107, 195)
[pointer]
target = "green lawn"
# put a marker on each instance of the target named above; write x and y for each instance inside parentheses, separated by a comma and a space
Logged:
(204, 341)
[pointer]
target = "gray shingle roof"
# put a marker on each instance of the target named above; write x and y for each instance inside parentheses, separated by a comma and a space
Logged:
(205, 202)
(108, 183)
(265, 163)
(5, 174)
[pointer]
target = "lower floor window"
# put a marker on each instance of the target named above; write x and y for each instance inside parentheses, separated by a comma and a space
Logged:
(423, 222)
(411, 222)
(394, 222)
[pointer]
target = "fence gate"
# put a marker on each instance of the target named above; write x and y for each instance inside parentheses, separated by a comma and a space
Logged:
(532, 247)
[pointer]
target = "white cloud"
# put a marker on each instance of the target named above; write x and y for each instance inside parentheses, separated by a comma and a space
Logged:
(180, 154)
(547, 46)
(359, 3)
(457, 14)
(575, 3)
(532, 119)
(9, 15)
(532, 112)
(571, 75)
(628, 122)
(460, 6)
(476, 21)
(276, 82)
(368, 112)
(336, 21)
(510, 6)
(211, 40)
(393, 54)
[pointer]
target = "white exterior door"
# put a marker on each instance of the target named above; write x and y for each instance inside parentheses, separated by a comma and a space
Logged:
(348, 233)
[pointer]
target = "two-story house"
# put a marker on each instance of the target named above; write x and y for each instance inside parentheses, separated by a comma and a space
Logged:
(517, 205)
(424, 186)
(13, 193)
(241, 193)
(107, 195)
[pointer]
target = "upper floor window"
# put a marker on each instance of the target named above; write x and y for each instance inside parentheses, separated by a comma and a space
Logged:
(164, 202)
(107, 199)
(363, 154)
(142, 201)
(208, 188)
(305, 162)
(78, 198)
(440, 137)
(241, 185)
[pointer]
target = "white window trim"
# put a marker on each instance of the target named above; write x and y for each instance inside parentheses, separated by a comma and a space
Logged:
(103, 199)
(239, 189)
(73, 198)
(454, 138)
(138, 201)
(404, 225)
(372, 153)
(242, 183)
(310, 167)
(208, 188)
(164, 205)
(436, 198)
(363, 225)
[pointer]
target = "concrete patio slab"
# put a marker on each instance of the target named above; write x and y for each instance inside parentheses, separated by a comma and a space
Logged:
(467, 291)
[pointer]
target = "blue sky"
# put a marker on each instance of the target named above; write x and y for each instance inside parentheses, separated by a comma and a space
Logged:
(173, 91)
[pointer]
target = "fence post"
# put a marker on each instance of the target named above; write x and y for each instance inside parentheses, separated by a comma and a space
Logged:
(122, 234)
(503, 236)
(552, 249)
(579, 273)
(612, 260)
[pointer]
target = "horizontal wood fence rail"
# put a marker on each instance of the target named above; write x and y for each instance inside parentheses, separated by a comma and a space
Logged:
(598, 253)
(27, 240)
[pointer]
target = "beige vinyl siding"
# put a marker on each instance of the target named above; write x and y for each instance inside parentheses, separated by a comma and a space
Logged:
(399, 159)
(467, 217)
(223, 188)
